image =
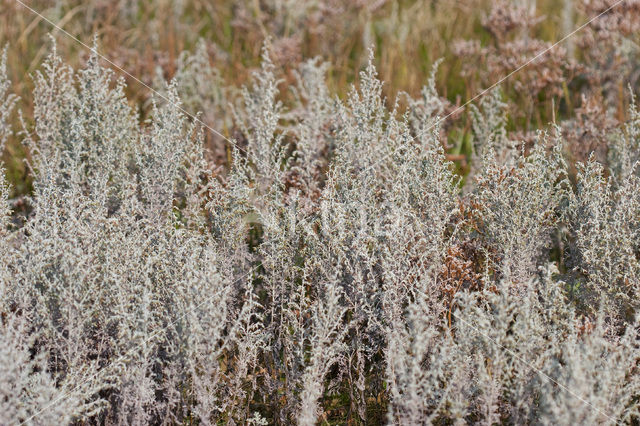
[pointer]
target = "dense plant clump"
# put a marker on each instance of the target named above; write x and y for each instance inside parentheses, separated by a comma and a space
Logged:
(329, 263)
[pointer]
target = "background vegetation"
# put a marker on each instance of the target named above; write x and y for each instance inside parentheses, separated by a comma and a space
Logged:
(348, 246)
(478, 41)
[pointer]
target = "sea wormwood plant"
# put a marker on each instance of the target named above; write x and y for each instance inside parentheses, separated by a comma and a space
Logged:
(334, 272)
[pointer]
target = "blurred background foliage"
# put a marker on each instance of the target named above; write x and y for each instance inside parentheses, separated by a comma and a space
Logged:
(479, 42)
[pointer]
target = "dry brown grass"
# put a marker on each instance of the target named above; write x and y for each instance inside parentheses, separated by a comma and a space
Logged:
(478, 40)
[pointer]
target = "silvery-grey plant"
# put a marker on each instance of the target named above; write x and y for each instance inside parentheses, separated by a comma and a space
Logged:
(334, 260)
(605, 222)
(519, 206)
